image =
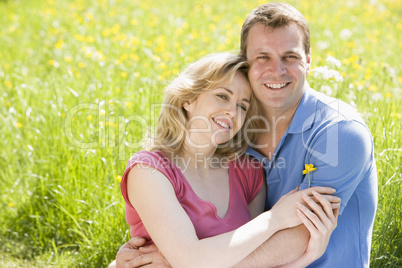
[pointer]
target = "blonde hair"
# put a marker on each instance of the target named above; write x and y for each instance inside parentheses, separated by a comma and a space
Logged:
(201, 76)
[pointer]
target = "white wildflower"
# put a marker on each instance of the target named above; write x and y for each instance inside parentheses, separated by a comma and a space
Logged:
(321, 45)
(328, 33)
(334, 62)
(377, 96)
(345, 34)
(323, 72)
(327, 90)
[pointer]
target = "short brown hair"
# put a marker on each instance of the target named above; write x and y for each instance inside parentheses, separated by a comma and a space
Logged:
(274, 15)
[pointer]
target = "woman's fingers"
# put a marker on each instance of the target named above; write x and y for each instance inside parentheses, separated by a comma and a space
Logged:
(319, 189)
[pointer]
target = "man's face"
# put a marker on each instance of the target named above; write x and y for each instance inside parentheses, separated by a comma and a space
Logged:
(279, 66)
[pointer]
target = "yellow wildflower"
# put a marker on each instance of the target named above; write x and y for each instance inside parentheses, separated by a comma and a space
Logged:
(59, 44)
(308, 169)
(53, 63)
(8, 84)
(18, 125)
(118, 178)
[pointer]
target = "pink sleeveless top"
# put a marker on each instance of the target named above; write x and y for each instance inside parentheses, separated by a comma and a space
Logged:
(245, 181)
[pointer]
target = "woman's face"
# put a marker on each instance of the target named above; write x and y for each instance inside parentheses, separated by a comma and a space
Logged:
(218, 114)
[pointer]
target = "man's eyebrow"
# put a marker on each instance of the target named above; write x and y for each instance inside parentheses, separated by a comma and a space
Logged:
(231, 93)
(291, 52)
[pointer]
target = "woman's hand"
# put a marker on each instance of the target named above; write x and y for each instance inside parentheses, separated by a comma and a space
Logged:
(285, 210)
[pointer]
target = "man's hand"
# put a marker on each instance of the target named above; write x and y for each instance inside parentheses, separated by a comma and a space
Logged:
(134, 253)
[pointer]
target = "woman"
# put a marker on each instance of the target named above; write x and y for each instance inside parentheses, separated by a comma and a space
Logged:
(193, 192)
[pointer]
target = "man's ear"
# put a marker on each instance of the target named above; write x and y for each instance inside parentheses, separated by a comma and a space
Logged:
(308, 62)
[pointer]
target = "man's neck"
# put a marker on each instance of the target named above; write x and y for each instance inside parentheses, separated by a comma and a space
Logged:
(276, 124)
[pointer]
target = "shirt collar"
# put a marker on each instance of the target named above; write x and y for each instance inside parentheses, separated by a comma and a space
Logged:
(250, 151)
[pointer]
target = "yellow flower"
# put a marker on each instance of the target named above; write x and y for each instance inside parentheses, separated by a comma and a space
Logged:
(308, 169)
(18, 125)
(10, 204)
(53, 63)
(118, 178)
(8, 84)
(59, 44)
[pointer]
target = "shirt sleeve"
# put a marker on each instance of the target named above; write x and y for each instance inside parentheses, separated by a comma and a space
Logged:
(152, 159)
(343, 156)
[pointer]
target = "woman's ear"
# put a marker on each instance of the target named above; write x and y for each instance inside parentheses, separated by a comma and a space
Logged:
(188, 106)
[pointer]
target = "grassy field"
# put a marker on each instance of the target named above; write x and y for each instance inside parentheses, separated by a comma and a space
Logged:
(78, 84)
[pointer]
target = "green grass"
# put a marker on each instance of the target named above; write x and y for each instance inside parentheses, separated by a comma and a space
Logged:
(72, 72)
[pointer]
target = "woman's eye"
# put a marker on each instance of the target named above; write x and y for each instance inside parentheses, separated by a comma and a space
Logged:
(222, 96)
(243, 107)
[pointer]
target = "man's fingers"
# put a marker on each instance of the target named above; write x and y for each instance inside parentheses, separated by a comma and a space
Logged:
(136, 242)
(326, 216)
(126, 254)
(312, 221)
(148, 249)
(326, 205)
(143, 260)
(309, 225)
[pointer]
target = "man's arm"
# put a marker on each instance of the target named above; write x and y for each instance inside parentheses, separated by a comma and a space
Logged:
(342, 167)
(283, 247)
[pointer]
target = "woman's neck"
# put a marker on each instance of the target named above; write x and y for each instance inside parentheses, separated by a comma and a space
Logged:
(200, 160)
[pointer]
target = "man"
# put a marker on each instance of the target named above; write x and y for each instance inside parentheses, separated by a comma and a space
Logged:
(302, 127)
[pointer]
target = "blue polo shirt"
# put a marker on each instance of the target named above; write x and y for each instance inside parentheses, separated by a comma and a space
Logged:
(331, 135)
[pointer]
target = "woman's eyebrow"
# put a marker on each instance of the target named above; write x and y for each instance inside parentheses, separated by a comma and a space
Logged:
(231, 93)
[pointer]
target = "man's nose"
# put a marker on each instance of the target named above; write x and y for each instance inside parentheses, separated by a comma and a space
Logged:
(276, 67)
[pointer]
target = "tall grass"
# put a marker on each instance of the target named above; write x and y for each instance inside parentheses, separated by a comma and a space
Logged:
(78, 80)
